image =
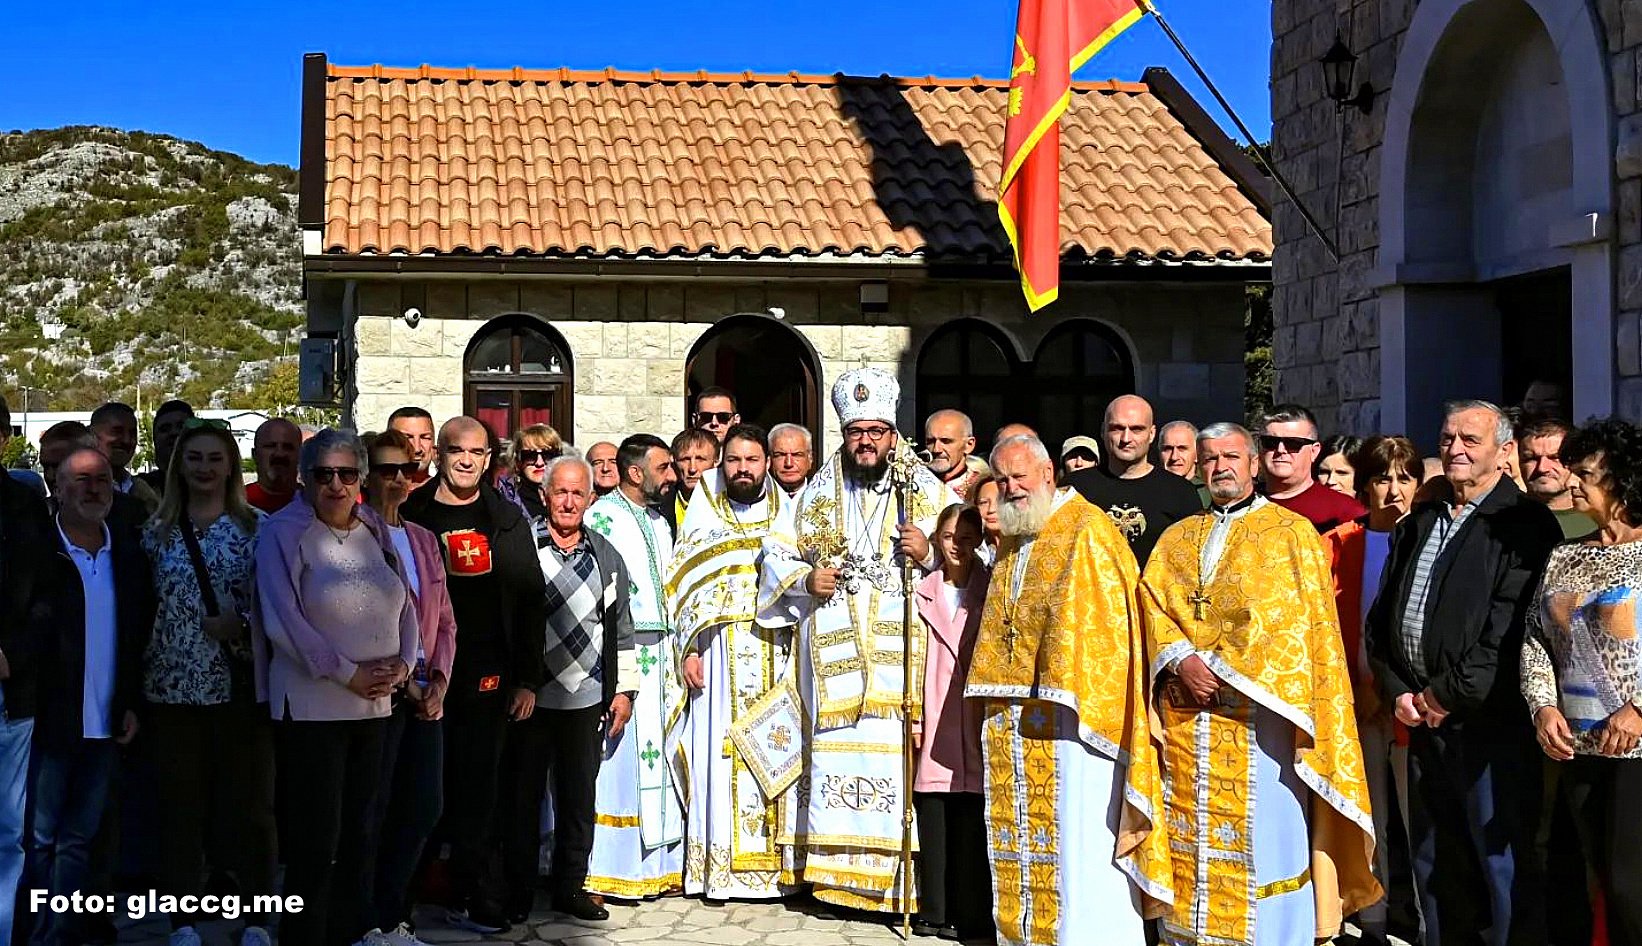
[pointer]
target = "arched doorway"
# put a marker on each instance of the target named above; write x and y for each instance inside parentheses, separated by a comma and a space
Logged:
(971, 366)
(517, 372)
(767, 365)
(1496, 203)
(1079, 367)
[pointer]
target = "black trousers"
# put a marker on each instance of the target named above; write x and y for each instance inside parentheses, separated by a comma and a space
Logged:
(328, 775)
(475, 729)
(570, 744)
(954, 878)
(1396, 912)
(1475, 798)
(409, 799)
(1604, 796)
(219, 782)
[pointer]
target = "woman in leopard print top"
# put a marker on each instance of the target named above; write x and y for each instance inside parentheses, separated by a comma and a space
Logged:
(1581, 673)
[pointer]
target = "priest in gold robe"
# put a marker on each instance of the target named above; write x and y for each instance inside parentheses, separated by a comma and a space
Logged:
(1265, 797)
(1074, 790)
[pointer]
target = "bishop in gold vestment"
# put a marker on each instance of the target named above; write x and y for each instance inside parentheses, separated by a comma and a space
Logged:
(1264, 792)
(1073, 784)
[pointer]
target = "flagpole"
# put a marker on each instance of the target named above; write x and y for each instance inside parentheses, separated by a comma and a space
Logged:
(1259, 149)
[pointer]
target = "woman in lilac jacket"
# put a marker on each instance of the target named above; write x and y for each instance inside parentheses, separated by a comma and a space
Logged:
(409, 798)
(341, 635)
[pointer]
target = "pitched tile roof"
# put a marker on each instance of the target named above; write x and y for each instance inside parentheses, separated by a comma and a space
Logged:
(555, 163)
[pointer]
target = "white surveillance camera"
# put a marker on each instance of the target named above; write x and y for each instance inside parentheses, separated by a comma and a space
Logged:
(413, 316)
(778, 312)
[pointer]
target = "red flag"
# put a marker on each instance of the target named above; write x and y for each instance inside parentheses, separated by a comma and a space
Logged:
(1053, 38)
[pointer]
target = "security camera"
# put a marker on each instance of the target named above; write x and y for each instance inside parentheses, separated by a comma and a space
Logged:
(778, 312)
(413, 316)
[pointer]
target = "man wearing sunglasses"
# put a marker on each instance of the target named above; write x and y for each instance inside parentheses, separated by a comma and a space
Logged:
(1288, 452)
(499, 596)
(715, 412)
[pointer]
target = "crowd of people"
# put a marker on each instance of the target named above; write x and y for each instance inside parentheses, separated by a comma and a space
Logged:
(1217, 685)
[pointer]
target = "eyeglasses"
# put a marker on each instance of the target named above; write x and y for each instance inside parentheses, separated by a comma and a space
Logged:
(708, 417)
(873, 434)
(387, 470)
(1269, 443)
(528, 457)
(211, 423)
(349, 475)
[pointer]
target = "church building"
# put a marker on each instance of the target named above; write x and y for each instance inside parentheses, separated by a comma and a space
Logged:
(588, 249)
(1478, 165)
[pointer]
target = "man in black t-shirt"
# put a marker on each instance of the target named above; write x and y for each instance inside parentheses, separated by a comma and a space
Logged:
(499, 598)
(1141, 498)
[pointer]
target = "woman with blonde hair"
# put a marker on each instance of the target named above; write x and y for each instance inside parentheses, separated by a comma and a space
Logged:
(533, 448)
(212, 743)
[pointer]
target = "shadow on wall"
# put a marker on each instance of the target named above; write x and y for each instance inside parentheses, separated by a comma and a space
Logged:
(926, 189)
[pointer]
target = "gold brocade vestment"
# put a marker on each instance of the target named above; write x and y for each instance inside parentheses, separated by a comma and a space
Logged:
(1071, 638)
(1265, 623)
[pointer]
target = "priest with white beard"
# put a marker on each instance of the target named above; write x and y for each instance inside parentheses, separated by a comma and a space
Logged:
(833, 569)
(1074, 791)
(727, 662)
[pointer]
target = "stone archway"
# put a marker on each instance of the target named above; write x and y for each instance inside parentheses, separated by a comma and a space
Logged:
(767, 363)
(1496, 173)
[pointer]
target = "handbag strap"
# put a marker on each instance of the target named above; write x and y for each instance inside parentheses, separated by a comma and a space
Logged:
(208, 594)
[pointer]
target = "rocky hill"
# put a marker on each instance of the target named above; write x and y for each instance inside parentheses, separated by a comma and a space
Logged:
(128, 258)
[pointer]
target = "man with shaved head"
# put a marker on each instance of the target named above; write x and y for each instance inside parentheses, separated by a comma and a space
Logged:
(1142, 498)
(949, 439)
(500, 600)
(274, 450)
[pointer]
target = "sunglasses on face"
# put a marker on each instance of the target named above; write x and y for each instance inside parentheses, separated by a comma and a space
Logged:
(708, 417)
(1269, 443)
(528, 457)
(212, 423)
(323, 475)
(387, 470)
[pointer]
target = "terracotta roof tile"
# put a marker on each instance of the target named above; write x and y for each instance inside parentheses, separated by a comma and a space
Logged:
(556, 162)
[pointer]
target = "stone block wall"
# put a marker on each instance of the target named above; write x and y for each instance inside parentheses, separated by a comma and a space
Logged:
(1326, 347)
(629, 341)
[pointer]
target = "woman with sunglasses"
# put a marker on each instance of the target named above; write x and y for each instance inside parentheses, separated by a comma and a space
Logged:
(410, 796)
(534, 447)
(210, 741)
(342, 623)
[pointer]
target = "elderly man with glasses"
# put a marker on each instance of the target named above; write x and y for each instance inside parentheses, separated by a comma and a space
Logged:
(833, 570)
(1288, 453)
(499, 596)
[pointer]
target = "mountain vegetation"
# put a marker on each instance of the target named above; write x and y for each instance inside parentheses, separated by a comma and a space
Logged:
(141, 267)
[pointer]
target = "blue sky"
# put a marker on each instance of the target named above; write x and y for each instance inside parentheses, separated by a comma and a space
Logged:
(227, 73)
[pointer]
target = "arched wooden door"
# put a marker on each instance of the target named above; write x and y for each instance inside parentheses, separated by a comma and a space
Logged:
(517, 372)
(767, 365)
(970, 366)
(1079, 367)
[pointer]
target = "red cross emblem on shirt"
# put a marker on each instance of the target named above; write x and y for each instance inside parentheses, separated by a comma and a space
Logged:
(467, 553)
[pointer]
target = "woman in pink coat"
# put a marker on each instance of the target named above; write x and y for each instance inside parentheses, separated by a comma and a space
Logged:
(954, 884)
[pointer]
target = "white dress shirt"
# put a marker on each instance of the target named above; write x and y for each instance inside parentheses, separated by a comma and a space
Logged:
(97, 583)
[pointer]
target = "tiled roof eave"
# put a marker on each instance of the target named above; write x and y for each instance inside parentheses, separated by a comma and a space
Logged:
(1073, 259)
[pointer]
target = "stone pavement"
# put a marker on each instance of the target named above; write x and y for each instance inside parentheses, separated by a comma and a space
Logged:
(670, 922)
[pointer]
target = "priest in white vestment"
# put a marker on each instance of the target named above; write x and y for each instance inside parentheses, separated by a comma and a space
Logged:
(638, 827)
(727, 662)
(834, 569)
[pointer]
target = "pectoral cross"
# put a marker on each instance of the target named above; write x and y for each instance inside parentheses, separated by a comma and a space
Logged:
(1199, 600)
(1009, 634)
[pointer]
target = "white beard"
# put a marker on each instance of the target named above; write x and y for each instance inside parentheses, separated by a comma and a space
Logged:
(1028, 519)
